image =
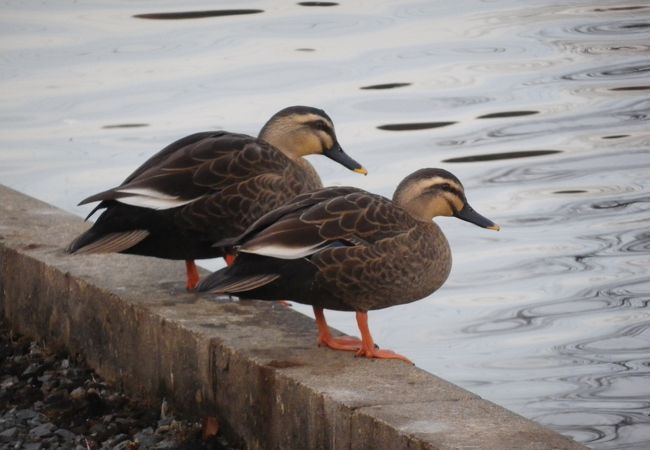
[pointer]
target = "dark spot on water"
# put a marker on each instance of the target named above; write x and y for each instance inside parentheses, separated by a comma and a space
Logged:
(305, 49)
(620, 8)
(125, 125)
(614, 204)
(635, 26)
(505, 155)
(616, 136)
(570, 191)
(414, 126)
(507, 114)
(631, 88)
(283, 364)
(386, 86)
(197, 14)
(317, 3)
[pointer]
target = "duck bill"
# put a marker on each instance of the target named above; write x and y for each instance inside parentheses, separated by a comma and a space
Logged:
(468, 214)
(337, 154)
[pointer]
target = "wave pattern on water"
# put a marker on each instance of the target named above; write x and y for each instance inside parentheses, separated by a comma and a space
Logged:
(550, 317)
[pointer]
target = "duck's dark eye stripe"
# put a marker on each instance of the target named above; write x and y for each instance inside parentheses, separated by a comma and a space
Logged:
(456, 192)
(447, 188)
(319, 125)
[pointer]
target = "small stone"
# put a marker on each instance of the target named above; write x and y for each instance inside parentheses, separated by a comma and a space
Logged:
(124, 445)
(37, 420)
(65, 364)
(8, 382)
(119, 438)
(25, 414)
(35, 349)
(167, 444)
(45, 377)
(164, 422)
(33, 446)
(32, 369)
(145, 437)
(8, 434)
(97, 429)
(65, 434)
(42, 431)
(78, 393)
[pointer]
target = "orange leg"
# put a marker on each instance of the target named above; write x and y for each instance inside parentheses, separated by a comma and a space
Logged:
(368, 348)
(192, 274)
(325, 338)
(230, 259)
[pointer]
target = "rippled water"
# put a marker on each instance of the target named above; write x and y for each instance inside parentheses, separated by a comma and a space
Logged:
(540, 107)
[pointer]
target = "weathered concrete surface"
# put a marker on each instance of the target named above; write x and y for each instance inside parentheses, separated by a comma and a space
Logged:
(253, 364)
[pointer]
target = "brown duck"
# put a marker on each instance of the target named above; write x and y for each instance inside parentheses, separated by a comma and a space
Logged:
(346, 249)
(209, 186)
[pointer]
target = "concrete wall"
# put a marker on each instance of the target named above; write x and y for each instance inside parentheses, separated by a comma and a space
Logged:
(254, 365)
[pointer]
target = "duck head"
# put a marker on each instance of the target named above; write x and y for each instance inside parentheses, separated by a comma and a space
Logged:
(428, 193)
(302, 130)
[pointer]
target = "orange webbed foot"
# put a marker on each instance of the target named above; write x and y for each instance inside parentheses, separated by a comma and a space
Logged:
(368, 348)
(382, 354)
(345, 343)
(325, 338)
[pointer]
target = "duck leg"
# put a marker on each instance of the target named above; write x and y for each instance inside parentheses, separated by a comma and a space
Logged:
(368, 348)
(192, 274)
(230, 259)
(326, 339)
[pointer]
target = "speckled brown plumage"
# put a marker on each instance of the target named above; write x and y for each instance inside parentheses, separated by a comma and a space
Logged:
(346, 249)
(374, 253)
(210, 186)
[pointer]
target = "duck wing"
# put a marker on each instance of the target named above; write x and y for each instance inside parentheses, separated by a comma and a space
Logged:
(193, 167)
(332, 217)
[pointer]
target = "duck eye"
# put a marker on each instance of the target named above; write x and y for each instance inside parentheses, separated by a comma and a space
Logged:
(445, 186)
(320, 125)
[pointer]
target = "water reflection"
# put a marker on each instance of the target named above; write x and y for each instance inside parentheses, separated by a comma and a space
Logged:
(125, 125)
(414, 126)
(631, 88)
(317, 3)
(385, 86)
(182, 15)
(497, 156)
(503, 114)
(550, 316)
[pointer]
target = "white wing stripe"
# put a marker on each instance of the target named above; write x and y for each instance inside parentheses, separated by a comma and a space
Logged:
(149, 198)
(281, 252)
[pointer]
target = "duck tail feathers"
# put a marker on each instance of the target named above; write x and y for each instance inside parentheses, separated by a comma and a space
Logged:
(92, 242)
(223, 282)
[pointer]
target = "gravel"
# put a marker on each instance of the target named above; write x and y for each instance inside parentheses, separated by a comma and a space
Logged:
(53, 401)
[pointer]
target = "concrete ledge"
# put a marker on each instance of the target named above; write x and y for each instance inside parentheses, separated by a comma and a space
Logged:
(252, 364)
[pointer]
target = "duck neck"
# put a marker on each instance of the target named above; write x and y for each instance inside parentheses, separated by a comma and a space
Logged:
(418, 209)
(280, 138)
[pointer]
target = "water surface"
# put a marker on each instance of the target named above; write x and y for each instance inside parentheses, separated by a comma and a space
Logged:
(545, 109)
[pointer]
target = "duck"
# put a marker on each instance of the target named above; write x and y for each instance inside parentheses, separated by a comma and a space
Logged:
(346, 249)
(209, 186)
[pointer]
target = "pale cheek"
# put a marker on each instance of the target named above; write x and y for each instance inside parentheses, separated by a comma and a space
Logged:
(458, 204)
(441, 207)
(310, 145)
